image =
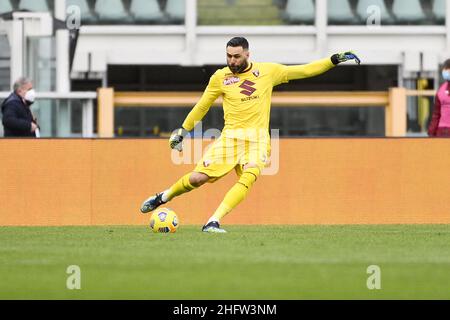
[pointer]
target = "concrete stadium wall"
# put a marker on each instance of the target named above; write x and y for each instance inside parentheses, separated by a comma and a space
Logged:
(320, 181)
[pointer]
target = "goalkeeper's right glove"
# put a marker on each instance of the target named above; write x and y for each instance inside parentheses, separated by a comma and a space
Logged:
(176, 139)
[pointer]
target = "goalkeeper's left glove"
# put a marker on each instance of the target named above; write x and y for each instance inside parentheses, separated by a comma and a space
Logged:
(176, 139)
(344, 56)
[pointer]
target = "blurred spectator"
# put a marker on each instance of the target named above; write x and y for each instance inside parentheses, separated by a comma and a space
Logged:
(440, 121)
(18, 120)
(156, 131)
(423, 105)
(120, 131)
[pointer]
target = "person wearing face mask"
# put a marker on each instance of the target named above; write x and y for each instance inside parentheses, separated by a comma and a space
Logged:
(440, 120)
(18, 120)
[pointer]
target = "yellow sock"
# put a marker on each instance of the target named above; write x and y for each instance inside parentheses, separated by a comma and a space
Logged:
(237, 193)
(181, 186)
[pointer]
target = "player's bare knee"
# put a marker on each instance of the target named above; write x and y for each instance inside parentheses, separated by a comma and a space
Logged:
(197, 179)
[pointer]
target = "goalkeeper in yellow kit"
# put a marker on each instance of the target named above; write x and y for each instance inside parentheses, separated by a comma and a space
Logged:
(244, 145)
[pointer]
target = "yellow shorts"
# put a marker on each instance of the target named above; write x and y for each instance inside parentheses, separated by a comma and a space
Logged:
(226, 154)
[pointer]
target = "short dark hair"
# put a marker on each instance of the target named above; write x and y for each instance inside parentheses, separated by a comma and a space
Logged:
(238, 42)
(446, 64)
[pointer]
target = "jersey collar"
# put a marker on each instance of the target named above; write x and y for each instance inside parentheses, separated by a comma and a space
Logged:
(248, 68)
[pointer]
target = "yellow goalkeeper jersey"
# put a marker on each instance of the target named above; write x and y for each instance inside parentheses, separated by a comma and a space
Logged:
(247, 96)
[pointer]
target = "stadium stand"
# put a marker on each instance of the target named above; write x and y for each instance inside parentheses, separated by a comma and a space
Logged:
(86, 13)
(439, 11)
(34, 5)
(364, 6)
(5, 6)
(223, 12)
(244, 12)
(175, 10)
(111, 11)
(408, 11)
(146, 11)
(340, 12)
(300, 11)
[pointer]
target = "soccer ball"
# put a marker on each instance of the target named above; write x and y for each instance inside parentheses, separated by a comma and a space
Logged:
(164, 220)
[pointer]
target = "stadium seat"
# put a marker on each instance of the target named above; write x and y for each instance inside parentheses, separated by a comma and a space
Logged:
(340, 12)
(176, 9)
(86, 14)
(300, 11)
(408, 11)
(111, 11)
(279, 3)
(34, 5)
(146, 10)
(439, 10)
(363, 5)
(5, 6)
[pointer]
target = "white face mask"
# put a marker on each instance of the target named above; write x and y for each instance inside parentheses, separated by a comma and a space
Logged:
(30, 96)
(446, 75)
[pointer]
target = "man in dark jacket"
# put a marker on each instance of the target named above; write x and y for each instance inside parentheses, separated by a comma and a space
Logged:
(18, 121)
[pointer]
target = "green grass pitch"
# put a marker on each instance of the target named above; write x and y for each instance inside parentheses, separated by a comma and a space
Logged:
(249, 262)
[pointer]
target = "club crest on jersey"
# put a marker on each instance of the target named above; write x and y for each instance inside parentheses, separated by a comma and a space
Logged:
(231, 80)
(256, 73)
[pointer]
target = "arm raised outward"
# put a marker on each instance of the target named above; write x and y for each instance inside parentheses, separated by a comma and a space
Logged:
(320, 66)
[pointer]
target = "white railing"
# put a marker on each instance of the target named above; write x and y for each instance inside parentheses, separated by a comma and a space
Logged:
(87, 99)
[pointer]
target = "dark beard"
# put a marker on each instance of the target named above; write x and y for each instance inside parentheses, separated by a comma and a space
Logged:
(238, 69)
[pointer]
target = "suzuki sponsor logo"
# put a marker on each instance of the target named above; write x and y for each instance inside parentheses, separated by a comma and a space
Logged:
(248, 88)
